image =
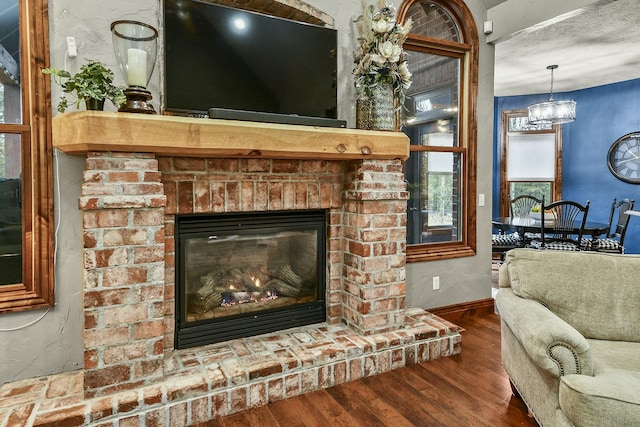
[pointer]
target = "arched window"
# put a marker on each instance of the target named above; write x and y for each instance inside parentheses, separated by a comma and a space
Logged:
(26, 205)
(440, 120)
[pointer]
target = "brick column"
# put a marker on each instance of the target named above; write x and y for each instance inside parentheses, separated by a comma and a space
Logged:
(123, 203)
(374, 249)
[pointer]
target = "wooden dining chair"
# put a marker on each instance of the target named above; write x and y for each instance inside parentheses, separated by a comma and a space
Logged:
(562, 225)
(519, 206)
(613, 242)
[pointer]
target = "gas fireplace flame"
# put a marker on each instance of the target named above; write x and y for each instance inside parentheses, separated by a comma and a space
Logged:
(234, 298)
(256, 281)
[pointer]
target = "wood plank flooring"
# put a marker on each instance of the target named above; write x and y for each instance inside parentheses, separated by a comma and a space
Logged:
(469, 389)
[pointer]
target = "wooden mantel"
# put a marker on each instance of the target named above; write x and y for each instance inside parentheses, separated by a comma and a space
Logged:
(83, 131)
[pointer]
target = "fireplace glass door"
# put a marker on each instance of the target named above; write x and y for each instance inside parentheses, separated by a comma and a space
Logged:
(246, 274)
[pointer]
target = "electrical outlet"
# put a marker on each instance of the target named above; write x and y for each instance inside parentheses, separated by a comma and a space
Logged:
(436, 283)
(481, 199)
(72, 48)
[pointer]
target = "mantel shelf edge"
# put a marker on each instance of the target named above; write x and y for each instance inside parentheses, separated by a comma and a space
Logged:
(85, 131)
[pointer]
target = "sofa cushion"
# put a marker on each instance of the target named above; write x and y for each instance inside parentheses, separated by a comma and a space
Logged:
(596, 293)
(612, 395)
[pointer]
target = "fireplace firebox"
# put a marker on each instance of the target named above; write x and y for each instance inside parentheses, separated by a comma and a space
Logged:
(245, 274)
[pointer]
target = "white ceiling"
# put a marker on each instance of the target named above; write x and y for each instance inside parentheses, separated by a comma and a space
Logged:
(597, 47)
(490, 3)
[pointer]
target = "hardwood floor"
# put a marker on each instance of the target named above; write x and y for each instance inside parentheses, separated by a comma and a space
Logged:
(469, 389)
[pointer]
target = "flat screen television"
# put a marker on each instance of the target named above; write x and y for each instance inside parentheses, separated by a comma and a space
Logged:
(231, 59)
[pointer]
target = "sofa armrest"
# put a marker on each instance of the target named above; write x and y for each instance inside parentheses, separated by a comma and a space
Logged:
(552, 344)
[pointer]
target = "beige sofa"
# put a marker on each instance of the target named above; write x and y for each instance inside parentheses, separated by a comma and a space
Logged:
(571, 335)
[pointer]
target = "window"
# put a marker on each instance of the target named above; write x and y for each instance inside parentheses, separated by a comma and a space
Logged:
(442, 54)
(26, 209)
(531, 160)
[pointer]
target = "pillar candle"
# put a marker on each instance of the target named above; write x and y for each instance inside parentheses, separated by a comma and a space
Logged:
(137, 67)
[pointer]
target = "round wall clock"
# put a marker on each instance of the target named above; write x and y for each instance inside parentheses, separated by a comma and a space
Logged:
(623, 158)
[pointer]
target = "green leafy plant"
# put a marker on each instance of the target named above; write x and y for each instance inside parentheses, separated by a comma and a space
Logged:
(93, 81)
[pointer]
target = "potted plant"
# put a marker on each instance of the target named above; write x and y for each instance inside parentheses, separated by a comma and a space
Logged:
(92, 84)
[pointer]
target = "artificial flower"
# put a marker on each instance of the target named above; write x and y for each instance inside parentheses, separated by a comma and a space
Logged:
(389, 52)
(379, 56)
(404, 72)
(382, 26)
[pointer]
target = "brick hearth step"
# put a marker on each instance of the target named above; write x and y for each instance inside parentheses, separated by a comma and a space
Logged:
(217, 380)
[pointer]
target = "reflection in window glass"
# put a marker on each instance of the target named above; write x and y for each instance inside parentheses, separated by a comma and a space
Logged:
(10, 103)
(432, 20)
(10, 96)
(434, 206)
(434, 177)
(10, 210)
(434, 93)
(10, 147)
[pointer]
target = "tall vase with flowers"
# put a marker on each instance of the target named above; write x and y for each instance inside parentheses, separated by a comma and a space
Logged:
(381, 72)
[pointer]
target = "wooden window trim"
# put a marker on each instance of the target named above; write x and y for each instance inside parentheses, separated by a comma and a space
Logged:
(467, 51)
(36, 289)
(556, 187)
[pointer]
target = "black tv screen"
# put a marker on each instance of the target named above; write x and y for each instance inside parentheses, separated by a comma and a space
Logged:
(221, 57)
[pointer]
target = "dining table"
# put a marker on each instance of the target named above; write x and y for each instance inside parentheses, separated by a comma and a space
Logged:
(526, 224)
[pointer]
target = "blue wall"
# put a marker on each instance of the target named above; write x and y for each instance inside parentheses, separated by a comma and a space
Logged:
(603, 114)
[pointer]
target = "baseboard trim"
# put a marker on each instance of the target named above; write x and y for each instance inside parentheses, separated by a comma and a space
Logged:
(457, 311)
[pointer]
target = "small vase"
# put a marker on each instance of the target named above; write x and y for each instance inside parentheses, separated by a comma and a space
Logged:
(94, 104)
(383, 114)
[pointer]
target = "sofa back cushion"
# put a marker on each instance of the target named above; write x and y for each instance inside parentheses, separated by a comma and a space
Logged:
(596, 293)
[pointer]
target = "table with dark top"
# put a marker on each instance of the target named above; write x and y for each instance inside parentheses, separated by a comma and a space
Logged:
(530, 225)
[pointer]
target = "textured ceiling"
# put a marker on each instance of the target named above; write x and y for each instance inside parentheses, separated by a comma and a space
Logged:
(597, 47)
(490, 3)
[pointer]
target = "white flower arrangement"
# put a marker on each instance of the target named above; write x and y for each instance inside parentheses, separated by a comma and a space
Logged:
(379, 57)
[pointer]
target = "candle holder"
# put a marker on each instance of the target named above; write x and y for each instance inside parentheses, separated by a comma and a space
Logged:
(135, 46)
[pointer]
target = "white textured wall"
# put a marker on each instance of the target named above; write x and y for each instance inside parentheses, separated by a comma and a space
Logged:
(89, 22)
(54, 344)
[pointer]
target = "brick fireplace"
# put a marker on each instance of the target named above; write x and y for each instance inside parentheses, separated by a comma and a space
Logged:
(141, 172)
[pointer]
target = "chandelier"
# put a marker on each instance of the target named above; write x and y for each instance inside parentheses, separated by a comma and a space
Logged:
(552, 112)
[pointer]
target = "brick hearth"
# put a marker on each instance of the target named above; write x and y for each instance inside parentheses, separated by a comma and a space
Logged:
(129, 201)
(227, 378)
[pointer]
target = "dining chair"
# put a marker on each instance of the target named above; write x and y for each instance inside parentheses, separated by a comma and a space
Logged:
(519, 206)
(562, 225)
(502, 242)
(613, 242)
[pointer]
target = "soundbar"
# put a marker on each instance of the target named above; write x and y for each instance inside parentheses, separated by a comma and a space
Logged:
(288, 119)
